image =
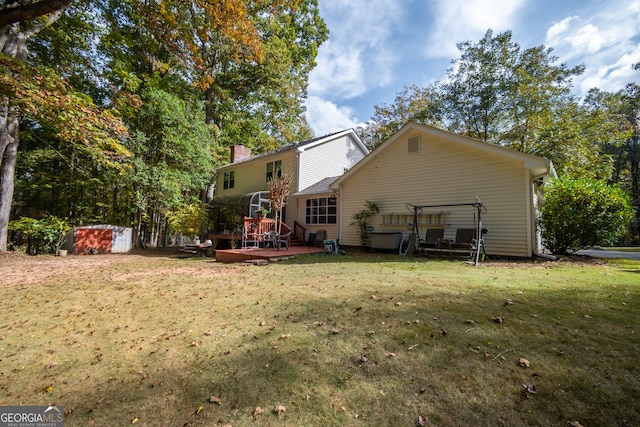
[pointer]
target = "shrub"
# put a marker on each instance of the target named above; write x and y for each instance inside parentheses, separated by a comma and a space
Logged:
(362, 222)
(578, 213)
(189, 220)
(45, 235)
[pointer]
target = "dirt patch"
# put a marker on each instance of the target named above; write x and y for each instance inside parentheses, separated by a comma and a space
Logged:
(20, 269)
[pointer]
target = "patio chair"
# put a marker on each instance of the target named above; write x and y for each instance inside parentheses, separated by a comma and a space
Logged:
(271, 239)
(432, 237)
(284, 239)
(321, 236)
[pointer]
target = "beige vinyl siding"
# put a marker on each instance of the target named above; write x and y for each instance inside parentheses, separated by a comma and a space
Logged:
(301, 204)
(330, 158)
(443, 172)
(250, 176)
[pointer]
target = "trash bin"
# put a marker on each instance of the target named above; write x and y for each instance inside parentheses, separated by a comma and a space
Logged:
(330, 246)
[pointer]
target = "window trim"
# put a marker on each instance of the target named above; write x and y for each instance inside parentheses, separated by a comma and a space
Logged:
(276, 170)
(321, 211)
(229, 180)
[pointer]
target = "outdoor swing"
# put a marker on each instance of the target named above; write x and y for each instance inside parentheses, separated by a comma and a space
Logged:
(466, 238)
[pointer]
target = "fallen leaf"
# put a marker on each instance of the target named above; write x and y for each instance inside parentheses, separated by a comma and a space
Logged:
(421, 421)
(575, 424)
(200, 408)
(134, 420)
(48, 389)
(498, 319)
(524, 362)
(530, 388)
(469, 322)
(279, 409)
(391, 355)
(412, 347)
(508, 302)
(196, 343)
(258, 411)
(285, 336)
(215, 399)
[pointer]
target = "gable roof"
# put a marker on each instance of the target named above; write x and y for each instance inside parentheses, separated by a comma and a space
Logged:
(303, 146)
(322, 186)
(538, 166)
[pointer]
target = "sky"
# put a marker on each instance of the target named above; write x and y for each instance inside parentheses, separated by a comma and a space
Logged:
(378, 47)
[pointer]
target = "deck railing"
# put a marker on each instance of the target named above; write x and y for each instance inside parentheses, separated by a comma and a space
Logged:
(300, 231)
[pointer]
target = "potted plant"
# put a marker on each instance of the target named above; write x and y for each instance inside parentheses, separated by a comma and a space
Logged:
(262, 212)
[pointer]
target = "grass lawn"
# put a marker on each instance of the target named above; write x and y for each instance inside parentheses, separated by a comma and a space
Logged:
(356, 340)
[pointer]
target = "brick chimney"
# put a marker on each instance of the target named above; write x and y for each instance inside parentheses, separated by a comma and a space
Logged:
(239, 152)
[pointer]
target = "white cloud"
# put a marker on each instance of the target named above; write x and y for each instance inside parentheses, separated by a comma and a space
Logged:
(459, 20)
(613, 77)
(555, 32)
(604, 39)
(358, 54)
(325, 117)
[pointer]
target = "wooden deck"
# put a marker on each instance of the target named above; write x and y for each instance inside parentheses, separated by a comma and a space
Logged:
(247, 254)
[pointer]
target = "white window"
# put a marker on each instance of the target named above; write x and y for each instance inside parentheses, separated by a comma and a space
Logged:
(274, 169)
(229, 180)
(322, 210)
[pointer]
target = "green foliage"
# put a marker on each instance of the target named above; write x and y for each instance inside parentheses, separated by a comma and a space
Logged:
(362, 222)
(577, 213)
(46, 235)
(189, 220)
(413, 103)
(498, 92)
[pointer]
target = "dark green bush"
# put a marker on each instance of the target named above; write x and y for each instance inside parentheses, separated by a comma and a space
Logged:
(578, 213)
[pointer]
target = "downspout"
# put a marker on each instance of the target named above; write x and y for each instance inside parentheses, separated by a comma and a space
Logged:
(534, 228)
(338, 193)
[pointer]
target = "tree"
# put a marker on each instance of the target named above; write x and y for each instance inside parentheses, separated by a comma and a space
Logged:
(578, 213)
(16, 11)
(499, 93)
(174, 159)
(279, 191)
(188, 220)
(39, 94)
(247, 61)
(626, 156)
(413, 103)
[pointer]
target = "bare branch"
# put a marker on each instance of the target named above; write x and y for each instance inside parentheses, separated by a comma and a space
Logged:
(13, 14)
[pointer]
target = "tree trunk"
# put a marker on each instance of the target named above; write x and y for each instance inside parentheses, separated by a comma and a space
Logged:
(13, 43)
(8, 154)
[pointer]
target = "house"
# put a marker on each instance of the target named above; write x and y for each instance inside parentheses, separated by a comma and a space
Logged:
(445, 173)
(242, 185)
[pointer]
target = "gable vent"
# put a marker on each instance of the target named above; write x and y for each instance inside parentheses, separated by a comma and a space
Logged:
(413, 144)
